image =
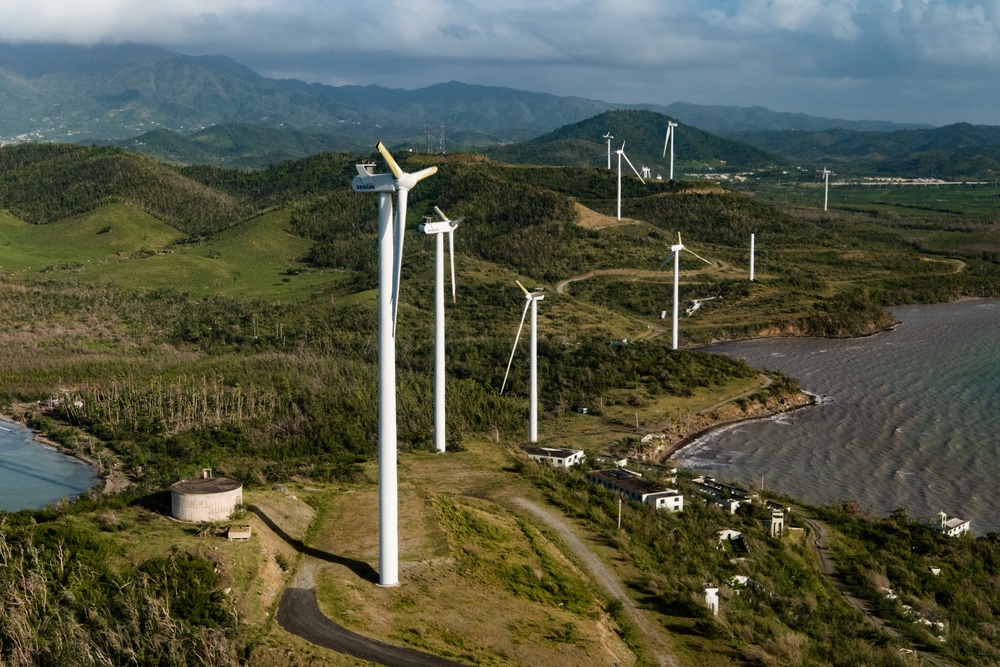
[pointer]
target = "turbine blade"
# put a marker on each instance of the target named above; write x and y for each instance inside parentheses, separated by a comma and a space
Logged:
(397, 268)
(441, 215)
(393, 167)
(517, 338)
(451, 253)
(698, 256)
(666, 141)
(633, 166)
(523, 288)
(666, 261)
(418, 176)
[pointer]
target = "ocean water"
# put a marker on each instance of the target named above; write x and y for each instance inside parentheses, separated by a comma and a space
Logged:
(908, 418)
(33, 475)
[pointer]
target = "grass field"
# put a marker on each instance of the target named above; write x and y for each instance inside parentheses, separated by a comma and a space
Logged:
(118, 246)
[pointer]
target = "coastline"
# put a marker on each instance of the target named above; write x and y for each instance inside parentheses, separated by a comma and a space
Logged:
(114, 480)
(813, 399)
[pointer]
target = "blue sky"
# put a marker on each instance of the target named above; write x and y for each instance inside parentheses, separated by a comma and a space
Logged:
(929, 61)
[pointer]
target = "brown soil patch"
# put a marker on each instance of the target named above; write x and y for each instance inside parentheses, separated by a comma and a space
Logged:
(591, 219)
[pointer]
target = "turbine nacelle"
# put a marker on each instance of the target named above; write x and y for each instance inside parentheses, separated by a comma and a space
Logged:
(368, 181)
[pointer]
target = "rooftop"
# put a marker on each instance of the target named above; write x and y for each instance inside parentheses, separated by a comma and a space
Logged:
(629, 480)
(210, 485)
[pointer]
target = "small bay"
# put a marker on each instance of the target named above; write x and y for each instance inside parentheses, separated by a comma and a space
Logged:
(908, 418)
(33, 475)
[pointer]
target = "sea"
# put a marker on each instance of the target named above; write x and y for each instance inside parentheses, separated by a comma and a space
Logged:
(907, 418)
(33, 475)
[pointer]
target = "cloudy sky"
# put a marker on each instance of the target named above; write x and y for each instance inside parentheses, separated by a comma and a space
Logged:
(928, 61)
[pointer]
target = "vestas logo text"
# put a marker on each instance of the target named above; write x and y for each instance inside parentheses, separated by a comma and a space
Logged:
(364, 186)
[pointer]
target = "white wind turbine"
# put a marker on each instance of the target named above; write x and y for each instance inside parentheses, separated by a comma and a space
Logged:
(390, 251)
(670, 140)
(531, 300)
(675, 254)
(621, 154)
(439, 229)
(826, 192)
(609, 137)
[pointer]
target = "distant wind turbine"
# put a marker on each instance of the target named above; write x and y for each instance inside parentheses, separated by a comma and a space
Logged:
(670, 140)
(609, 137)
(752, 250)
(531, 301)
(675, 254)
(621, 154)
(439, 229)
(826, 192)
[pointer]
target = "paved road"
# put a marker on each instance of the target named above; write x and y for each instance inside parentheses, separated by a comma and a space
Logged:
(655, 640)
(299, 614)
(821, 544)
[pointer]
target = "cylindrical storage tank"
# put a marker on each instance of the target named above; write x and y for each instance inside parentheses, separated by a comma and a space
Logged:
(213, 499)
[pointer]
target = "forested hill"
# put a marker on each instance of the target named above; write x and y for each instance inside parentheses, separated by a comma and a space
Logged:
(643, 134)
(957, 151)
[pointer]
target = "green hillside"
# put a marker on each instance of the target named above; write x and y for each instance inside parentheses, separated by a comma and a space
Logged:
(954, 152)
(199, 317)
(643, 133)
(235, 145)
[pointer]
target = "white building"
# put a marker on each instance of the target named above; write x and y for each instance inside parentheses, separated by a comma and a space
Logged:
(206, 499)
(711, 592)
(632, 486)
(954, 526)
(559, 458)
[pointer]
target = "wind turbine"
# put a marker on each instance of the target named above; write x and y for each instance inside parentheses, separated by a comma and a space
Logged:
(439, 229)
(752, 249)
(609, 137)
(621, 154)
(696, 304)
(531, 300)
(670, 140)
(390, 257)
(826, 192)
(675, 254)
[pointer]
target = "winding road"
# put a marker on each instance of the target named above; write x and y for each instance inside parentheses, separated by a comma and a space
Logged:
(821, 545)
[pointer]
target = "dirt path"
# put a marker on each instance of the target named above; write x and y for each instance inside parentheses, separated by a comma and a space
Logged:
(821, 545)
(653, 636)
(766, 379)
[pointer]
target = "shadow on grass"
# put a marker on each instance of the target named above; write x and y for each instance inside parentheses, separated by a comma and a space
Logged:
(359, 568)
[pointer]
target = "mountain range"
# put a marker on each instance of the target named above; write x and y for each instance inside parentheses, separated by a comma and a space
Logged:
(115, 92)
(212, 110)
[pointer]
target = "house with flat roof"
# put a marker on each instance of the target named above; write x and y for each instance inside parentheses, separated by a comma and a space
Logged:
(634, 487)
(726, 496)
(559, 458)
(954, 526)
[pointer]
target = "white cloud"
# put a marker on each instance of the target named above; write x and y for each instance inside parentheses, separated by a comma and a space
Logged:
(734, 48)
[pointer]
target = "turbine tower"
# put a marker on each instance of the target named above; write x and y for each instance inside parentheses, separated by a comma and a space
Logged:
(439, 229)
(752, 248)
(670, 140)
(621, 154)
(390, 252)
(826, 191)
(675, 254)
(609, 137)
(531, 301)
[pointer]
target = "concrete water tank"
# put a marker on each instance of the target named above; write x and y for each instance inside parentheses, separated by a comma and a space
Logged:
(206, 499)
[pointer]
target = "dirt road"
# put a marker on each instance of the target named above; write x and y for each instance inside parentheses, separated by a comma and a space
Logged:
(653, 635)
(821, 545)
